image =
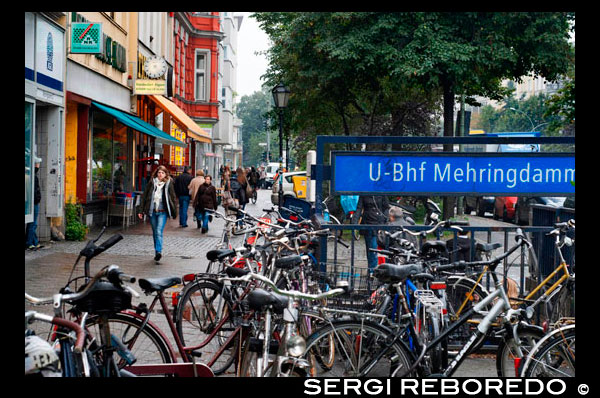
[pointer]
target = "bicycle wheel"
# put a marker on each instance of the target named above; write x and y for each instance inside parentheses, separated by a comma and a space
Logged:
(554, 356)
(505, 355)
(149, 347)
(199, 312)
(458, 295)
(357, 344)
(254, 197)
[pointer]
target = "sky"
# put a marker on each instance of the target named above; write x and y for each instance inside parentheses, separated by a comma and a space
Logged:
(250, 66)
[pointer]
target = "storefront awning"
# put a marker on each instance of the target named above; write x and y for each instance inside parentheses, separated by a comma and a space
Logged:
(182, 119)
(138, 124)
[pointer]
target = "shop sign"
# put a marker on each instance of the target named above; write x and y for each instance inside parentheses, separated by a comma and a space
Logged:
(86, 37)
(49, 55)
(505, 174)
(150, 87)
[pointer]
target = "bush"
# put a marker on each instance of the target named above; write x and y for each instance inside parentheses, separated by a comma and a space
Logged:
(75, 229)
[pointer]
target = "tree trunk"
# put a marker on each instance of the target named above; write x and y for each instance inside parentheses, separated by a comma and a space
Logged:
(448, 210)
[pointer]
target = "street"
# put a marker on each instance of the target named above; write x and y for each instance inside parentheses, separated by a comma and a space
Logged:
(47, 270)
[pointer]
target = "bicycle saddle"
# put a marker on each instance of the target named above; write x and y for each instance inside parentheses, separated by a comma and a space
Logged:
(288, 262)
(234, 272)
(487, 247)
(391, 273)
(218, 255)
(259, 299)
(158, 284)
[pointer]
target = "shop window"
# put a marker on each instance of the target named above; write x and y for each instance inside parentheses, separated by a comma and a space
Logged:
(110, 162)
(29, 152)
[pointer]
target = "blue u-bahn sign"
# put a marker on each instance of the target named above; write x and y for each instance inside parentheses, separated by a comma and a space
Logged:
(453, 174)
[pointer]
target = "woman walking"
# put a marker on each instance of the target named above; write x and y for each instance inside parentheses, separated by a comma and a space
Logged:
(206, 198)
(193, 187)
(159, 202)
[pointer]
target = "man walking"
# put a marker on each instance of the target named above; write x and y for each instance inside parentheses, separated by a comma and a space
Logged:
(31, 238)
(183, 194)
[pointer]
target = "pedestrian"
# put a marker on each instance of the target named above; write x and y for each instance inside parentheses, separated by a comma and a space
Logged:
(31, 239)
(253, 178)
(193, 188)
(237, 186)
(182, 182)
(397, 217)
(373, 210)
(225, 177)
(159, 202)
(206, 198)
(263, 178)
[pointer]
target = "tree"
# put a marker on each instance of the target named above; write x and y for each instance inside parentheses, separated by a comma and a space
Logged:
(354, 69)
(254, 110)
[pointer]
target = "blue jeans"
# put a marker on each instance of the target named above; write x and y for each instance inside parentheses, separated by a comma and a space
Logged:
(31, 239)
(202, 219)
(184, 202)
(371, 243)
(158, 222)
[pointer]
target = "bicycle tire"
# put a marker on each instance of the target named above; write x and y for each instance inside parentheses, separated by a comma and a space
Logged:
(254, 197)
(196, 317)
(553, 356)
(150, 347)
(505, 354)
(355, 343)
(456, 292)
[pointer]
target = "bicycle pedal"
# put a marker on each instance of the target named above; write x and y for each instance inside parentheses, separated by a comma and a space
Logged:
(196, 354)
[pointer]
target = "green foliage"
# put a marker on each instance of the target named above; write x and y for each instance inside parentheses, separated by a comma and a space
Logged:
(74, 229)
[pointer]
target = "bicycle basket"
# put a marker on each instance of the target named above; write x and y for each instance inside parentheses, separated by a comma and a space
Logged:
(104, 297)
(362, 286)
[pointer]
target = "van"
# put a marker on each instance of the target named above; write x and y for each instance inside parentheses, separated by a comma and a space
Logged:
(271, 170)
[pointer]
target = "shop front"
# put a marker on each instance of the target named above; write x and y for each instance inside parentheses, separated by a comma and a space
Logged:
(44, 118)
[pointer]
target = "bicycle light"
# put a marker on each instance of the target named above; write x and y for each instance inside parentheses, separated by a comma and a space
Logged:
(296, 345)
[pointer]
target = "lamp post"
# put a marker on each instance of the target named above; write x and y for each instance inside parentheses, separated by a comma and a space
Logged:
(530, 121)
(281, 94)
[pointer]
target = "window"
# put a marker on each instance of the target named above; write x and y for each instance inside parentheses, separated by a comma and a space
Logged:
(29, 152)
(201, 76)
(110, 160)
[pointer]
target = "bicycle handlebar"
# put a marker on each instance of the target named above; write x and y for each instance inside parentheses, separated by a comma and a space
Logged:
(290, 293)
(79, 331)
(112, 272)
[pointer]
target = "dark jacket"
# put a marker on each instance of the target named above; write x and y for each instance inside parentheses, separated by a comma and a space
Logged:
(238, 190)
(182, 182)
(373, 209)
(37, 193)
(206, 198)
(168, 197)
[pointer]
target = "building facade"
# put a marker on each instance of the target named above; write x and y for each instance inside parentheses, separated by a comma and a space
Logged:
(45, 78)
(196, 38)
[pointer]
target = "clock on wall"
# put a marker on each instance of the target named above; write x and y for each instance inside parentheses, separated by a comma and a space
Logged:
(155, 67)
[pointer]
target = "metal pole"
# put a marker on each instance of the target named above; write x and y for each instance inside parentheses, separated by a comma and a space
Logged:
(280, 158)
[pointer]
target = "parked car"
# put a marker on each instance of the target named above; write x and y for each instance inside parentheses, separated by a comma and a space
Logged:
(523, 206)
(480, 204)
(288, 186)
(504, 207)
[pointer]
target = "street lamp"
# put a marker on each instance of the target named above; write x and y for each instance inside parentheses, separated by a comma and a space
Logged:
(530, 121)
(281, 95)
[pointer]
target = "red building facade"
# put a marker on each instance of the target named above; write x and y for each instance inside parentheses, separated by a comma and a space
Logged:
(196, 62)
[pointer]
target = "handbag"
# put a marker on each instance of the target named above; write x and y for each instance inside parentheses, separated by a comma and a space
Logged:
(248, 191)
(227, 199)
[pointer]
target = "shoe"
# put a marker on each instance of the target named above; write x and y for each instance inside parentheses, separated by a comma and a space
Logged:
(39, 247)
(31, 247)
(184, 226)
(204, 230)
(157, 257)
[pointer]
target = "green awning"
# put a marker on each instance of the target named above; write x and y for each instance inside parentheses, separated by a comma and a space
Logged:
(138, 124)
